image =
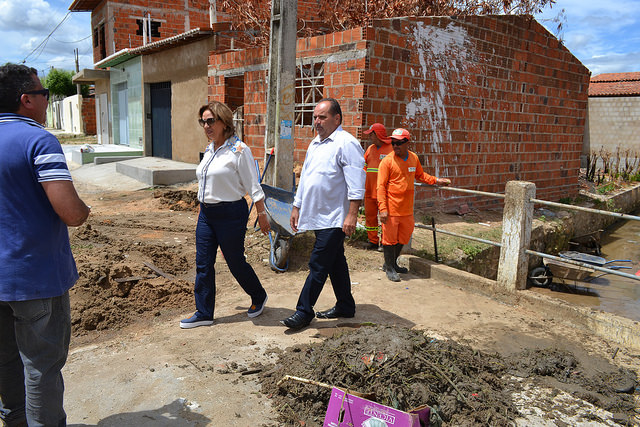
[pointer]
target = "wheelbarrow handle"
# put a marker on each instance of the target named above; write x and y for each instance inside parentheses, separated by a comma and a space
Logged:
(618, 260)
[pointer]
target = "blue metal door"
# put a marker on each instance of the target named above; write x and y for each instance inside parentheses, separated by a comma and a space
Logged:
(161, 119)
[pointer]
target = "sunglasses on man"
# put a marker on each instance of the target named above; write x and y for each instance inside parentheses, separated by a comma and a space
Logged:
(44, 92)
(399, 141)
(210, 121)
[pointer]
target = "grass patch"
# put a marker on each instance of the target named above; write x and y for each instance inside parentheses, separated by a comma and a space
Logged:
(449, 247)
(73, 139)
(606, 188)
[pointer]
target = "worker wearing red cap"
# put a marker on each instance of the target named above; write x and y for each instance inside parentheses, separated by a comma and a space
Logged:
(379, 148)
(396, 175)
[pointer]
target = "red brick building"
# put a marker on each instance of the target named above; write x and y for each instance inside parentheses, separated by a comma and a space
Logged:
(488, 99)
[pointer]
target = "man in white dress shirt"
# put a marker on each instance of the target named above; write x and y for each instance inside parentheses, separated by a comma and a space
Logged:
(329, 194)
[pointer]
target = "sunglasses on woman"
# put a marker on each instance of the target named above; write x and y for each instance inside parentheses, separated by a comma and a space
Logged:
(210, 121)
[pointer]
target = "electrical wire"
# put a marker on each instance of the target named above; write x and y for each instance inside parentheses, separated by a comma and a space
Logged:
(43, 43)
(75, 41)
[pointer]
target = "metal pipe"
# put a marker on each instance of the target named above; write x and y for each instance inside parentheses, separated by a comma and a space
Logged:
(464, 236)
(461, 190)
(580, 208)
(435, 242)
(583, 264)
(536, 201)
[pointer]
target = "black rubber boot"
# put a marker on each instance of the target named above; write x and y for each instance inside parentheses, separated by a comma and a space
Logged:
(401, 270)
(389, 252)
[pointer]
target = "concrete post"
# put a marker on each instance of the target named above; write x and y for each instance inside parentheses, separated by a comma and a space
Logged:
(281, 96)
(516, 235)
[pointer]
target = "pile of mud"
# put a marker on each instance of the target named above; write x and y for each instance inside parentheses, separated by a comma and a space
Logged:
(121, 280)
(178, 200)
(405, 369)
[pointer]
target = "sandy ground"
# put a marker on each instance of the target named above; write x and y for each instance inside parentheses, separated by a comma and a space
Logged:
(130, 363)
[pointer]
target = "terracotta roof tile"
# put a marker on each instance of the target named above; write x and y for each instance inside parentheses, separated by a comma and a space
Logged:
(615, 84)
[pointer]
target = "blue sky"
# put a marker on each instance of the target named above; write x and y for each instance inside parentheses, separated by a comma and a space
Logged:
(604, 36)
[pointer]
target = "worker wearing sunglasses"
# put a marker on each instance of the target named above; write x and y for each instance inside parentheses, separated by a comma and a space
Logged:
(396, 175)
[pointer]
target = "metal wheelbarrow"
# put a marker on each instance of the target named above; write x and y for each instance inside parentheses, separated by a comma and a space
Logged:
(279, 204)
(543, 276)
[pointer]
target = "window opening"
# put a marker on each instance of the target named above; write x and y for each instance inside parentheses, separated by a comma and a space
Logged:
(309, 90)
(155, 28)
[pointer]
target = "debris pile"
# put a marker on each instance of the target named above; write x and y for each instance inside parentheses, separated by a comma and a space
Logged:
(405, 369)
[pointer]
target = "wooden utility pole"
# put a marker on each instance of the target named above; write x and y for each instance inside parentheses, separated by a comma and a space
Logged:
(281, 97)
(79, 92)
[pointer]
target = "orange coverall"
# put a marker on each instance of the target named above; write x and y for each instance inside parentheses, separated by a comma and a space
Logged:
(395, 195)
(372, 158)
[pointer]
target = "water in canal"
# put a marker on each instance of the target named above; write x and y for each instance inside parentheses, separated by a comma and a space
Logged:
(609, 293)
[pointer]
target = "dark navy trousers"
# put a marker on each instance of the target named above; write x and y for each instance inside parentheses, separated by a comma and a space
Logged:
(327, 259)
(224, 225)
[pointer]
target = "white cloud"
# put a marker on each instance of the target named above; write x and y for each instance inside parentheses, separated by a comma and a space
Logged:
(614, 63)
(28, 16)
(604, 36)
(25, 24)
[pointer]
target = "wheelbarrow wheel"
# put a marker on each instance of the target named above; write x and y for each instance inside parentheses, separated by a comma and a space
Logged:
(540, 276)
(281, 253)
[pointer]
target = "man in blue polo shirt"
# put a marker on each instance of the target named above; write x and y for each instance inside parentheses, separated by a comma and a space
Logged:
(37, 203)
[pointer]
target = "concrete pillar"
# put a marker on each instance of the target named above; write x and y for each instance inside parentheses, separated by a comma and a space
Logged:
(281, 95)
(516, 234)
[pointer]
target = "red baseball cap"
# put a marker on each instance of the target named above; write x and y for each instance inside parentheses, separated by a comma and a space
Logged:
(380, 131)
(400, 134)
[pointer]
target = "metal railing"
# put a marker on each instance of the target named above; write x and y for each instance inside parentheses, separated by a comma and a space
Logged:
(527, 251)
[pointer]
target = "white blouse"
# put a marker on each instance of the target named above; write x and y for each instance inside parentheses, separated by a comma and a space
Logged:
(228, 173)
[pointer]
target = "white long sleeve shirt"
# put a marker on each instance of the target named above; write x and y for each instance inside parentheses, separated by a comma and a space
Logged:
(228, 173)
(332, 175)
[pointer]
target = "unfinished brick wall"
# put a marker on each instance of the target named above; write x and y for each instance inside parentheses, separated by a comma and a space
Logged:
(487, 99)
(120, 21)
(89, 115)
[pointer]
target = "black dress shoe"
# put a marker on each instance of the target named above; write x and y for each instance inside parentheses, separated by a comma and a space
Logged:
(296, 321)
(332, 313)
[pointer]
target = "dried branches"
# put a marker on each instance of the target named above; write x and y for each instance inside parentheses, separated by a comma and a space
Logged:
(621, 165)
(325, 16)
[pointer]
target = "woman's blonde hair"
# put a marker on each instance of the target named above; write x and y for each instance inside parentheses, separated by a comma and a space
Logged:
(220, 112)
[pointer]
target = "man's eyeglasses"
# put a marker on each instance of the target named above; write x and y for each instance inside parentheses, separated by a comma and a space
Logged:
(399, 141)
(44, 92)
(210, 121)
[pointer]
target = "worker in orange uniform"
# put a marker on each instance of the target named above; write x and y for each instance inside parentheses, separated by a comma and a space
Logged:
(379, 148)
(396, 175)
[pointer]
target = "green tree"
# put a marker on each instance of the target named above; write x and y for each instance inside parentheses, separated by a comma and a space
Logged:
(59, 83)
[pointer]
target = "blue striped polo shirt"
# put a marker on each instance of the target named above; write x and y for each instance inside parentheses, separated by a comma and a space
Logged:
(35, 255)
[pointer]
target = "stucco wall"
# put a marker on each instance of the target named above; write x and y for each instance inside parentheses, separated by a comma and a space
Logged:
(188, 94)
(613, 122)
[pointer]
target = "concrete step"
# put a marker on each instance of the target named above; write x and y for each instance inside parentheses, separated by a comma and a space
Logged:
(157, 171)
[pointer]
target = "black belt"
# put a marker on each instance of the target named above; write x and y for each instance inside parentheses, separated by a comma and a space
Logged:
(213, 205)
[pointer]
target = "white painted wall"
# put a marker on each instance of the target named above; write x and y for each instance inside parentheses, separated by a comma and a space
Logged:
(66, 115)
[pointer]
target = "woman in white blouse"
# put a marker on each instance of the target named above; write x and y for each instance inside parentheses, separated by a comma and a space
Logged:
(226, 173)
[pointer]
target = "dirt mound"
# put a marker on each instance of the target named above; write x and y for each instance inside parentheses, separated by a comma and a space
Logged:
(121, 279)
(405, 369)
(178, 200)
